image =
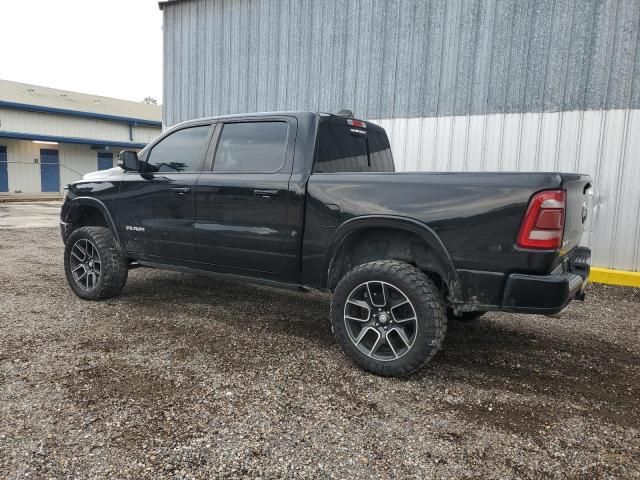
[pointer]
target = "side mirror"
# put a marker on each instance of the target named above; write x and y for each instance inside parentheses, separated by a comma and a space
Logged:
(128, 160)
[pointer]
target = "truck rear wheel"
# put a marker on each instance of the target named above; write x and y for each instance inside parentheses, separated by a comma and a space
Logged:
(389, 317)
(94, 268)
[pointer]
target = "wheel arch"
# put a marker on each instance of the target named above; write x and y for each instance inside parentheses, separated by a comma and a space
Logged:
(83, 208)
(435, 258)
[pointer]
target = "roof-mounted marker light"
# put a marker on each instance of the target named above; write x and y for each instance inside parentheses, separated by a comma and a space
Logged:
(356, 123)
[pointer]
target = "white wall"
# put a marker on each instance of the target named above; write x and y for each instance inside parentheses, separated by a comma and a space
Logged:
(75, 160)
(66, 126)
(145, 134)
(602, 143)
(23, 167)
(22, 170)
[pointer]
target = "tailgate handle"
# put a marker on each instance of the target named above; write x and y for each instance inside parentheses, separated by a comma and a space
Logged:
(180, 190)
(265, 192)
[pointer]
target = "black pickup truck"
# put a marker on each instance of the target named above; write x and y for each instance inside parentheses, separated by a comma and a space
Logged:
(311, 200)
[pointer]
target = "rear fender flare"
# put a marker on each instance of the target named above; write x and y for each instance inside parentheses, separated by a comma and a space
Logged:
(423, 231)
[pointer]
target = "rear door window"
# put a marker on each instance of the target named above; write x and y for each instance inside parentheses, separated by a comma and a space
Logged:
(251, 147)
(343, 148)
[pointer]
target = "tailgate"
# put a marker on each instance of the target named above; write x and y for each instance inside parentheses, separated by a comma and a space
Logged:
(579, 202)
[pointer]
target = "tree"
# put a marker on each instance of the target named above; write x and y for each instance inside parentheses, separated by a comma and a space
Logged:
(150, 100)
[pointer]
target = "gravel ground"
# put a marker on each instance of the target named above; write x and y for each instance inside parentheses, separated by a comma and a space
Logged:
(188, 377)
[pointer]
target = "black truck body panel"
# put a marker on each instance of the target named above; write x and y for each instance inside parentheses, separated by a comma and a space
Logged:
(287, 227)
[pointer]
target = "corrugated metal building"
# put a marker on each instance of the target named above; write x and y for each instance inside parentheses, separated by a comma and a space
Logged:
(51, 137)
(458, 84)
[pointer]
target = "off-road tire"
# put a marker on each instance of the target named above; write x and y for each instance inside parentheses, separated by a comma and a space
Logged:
(464, 316)
(427, 301)
(114, 267)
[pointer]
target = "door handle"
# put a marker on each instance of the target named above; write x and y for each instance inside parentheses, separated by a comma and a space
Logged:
(265, 192)
(180, 190)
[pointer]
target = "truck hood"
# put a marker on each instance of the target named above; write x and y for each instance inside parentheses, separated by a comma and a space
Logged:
(103, 175)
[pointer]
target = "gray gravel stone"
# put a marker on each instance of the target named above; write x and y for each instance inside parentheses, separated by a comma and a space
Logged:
(186, 377)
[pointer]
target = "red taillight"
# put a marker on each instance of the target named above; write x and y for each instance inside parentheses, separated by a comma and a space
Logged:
(543, 223)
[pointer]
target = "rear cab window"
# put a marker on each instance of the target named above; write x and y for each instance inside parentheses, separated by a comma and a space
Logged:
(351, 148)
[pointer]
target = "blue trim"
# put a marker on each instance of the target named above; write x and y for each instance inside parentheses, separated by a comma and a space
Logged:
(82, 141)
(4, 176)
(77, 113)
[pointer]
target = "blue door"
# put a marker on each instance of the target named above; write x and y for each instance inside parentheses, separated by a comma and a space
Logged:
(105, 160)
(49, 170)
(4, 177)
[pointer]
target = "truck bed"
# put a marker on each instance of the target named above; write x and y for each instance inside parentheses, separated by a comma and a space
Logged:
(476, 215)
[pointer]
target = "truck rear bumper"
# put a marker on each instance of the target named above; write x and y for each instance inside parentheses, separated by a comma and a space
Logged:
(548, 294)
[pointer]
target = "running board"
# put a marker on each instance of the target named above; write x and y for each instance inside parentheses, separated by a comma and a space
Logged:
(225, 276)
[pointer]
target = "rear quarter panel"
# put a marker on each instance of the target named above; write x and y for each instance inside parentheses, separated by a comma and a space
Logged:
(476, 215)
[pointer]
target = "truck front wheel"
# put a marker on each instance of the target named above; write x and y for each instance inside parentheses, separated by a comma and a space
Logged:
(389, 317)
(94, 268)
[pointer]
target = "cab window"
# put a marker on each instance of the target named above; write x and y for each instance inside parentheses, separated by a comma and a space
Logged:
(251, 147)
(181, 151)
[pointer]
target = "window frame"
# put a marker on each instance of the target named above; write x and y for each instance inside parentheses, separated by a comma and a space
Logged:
(203, 152)
(288, 146)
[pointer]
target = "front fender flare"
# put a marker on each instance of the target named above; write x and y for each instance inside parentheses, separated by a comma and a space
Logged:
(77, 203)
(423, 231)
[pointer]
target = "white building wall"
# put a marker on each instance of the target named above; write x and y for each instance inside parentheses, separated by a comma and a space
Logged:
(23, 167)
(62, 126)
(145, 134)
(602, 143)
(75, 127)
(75, 159)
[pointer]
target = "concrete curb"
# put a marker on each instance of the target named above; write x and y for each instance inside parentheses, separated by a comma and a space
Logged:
(30, 197)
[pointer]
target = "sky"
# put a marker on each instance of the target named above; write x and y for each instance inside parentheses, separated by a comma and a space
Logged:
(104, 47)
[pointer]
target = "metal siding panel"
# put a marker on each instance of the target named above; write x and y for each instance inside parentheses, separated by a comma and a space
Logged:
(602, 50)
(402, 77)
(627, 213)
(600, 143)
(547, 145)
(413, 90)
(403, 58)
(483, 45)
(487, 67)
(458, 143)
(433, 58)
(538, 54)
(385, 102)
(499, 69)
(556, 62)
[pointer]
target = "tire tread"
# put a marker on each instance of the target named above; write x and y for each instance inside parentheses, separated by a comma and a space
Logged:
(422, 287)
(113, 277)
